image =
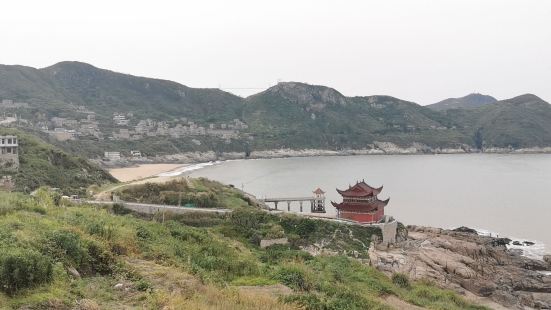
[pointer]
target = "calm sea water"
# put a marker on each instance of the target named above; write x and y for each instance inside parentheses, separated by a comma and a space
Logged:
(505, 194)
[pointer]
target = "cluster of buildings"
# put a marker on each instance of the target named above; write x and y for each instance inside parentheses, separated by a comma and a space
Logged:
(10, 104)
(8, 118)
(182, 128)
(116, 156)
(70, 129)
(121, 119)
(123, 126)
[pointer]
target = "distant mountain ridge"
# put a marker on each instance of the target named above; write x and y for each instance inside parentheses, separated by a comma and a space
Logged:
(471, 101)
(288, 115)
(105, 92)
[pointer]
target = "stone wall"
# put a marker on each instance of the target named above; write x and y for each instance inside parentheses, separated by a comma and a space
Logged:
(7, 183)
(264, 243)
(9, 162)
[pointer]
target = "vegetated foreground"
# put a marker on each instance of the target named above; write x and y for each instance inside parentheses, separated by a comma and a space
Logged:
(55, 255)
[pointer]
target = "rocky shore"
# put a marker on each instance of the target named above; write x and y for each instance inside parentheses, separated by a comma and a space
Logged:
(469, 263)
(377, 148)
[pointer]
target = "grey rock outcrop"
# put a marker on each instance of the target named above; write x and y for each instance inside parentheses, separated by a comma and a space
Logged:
(462, 260)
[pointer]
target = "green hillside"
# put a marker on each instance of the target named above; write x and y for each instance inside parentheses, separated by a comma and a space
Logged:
(84, 257)
(290, 114)
(519, 122)
(44, 165)
(63, 86)
(300, 115)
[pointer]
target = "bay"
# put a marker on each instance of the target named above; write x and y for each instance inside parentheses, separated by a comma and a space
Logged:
(504, 194)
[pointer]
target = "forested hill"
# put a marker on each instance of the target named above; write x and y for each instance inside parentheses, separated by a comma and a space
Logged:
(290, 114)
(61, 87)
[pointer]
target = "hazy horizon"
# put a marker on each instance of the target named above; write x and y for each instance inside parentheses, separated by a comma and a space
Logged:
(422, 51)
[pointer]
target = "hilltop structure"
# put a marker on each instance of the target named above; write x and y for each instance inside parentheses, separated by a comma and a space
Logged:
(9, 153)
(360, 204)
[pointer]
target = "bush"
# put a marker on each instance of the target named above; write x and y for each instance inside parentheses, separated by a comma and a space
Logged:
(100, 259)
(87, 256)
(143, 233)
(247, 220)
(303, 227)
(278, 253)
(119, 209)
(295, 277)
(198, 219)
(21, 269)
(143, 285)
(101, 229)
(66, 247)
(401, 280)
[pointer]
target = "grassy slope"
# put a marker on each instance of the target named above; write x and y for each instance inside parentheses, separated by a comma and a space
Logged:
(176, 265)
(42, 164)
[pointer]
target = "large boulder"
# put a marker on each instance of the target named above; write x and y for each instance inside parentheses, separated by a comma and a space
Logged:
(479, 287)
(466, 230)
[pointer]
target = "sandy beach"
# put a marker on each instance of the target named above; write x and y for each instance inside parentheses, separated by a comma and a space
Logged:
(142, 171)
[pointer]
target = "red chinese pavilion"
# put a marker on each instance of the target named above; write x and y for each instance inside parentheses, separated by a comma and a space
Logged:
(360, 203)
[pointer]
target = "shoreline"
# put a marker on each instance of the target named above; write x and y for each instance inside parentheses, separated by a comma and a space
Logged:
(189, 158)
(142, 171)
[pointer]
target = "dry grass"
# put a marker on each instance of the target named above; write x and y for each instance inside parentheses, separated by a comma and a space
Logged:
(174, 289)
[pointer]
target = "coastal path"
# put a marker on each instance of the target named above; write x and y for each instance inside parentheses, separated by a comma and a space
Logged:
(147, 208)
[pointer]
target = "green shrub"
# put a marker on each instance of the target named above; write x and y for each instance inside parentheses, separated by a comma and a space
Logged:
(143, 233)
(401, 280)
(100, 259)
(187, 234)
(87, 256)
(199, 219)
(294, 276)
(278, 253)
(143, 285)
(119, 209)
(101, 229)
(248, 220)
(66, 247)
(21, 268)
(299, 225)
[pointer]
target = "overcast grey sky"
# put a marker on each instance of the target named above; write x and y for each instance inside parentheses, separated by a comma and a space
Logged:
(417, 50)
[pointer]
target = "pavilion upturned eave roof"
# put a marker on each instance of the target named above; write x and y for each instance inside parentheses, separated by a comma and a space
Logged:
(360, 189)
